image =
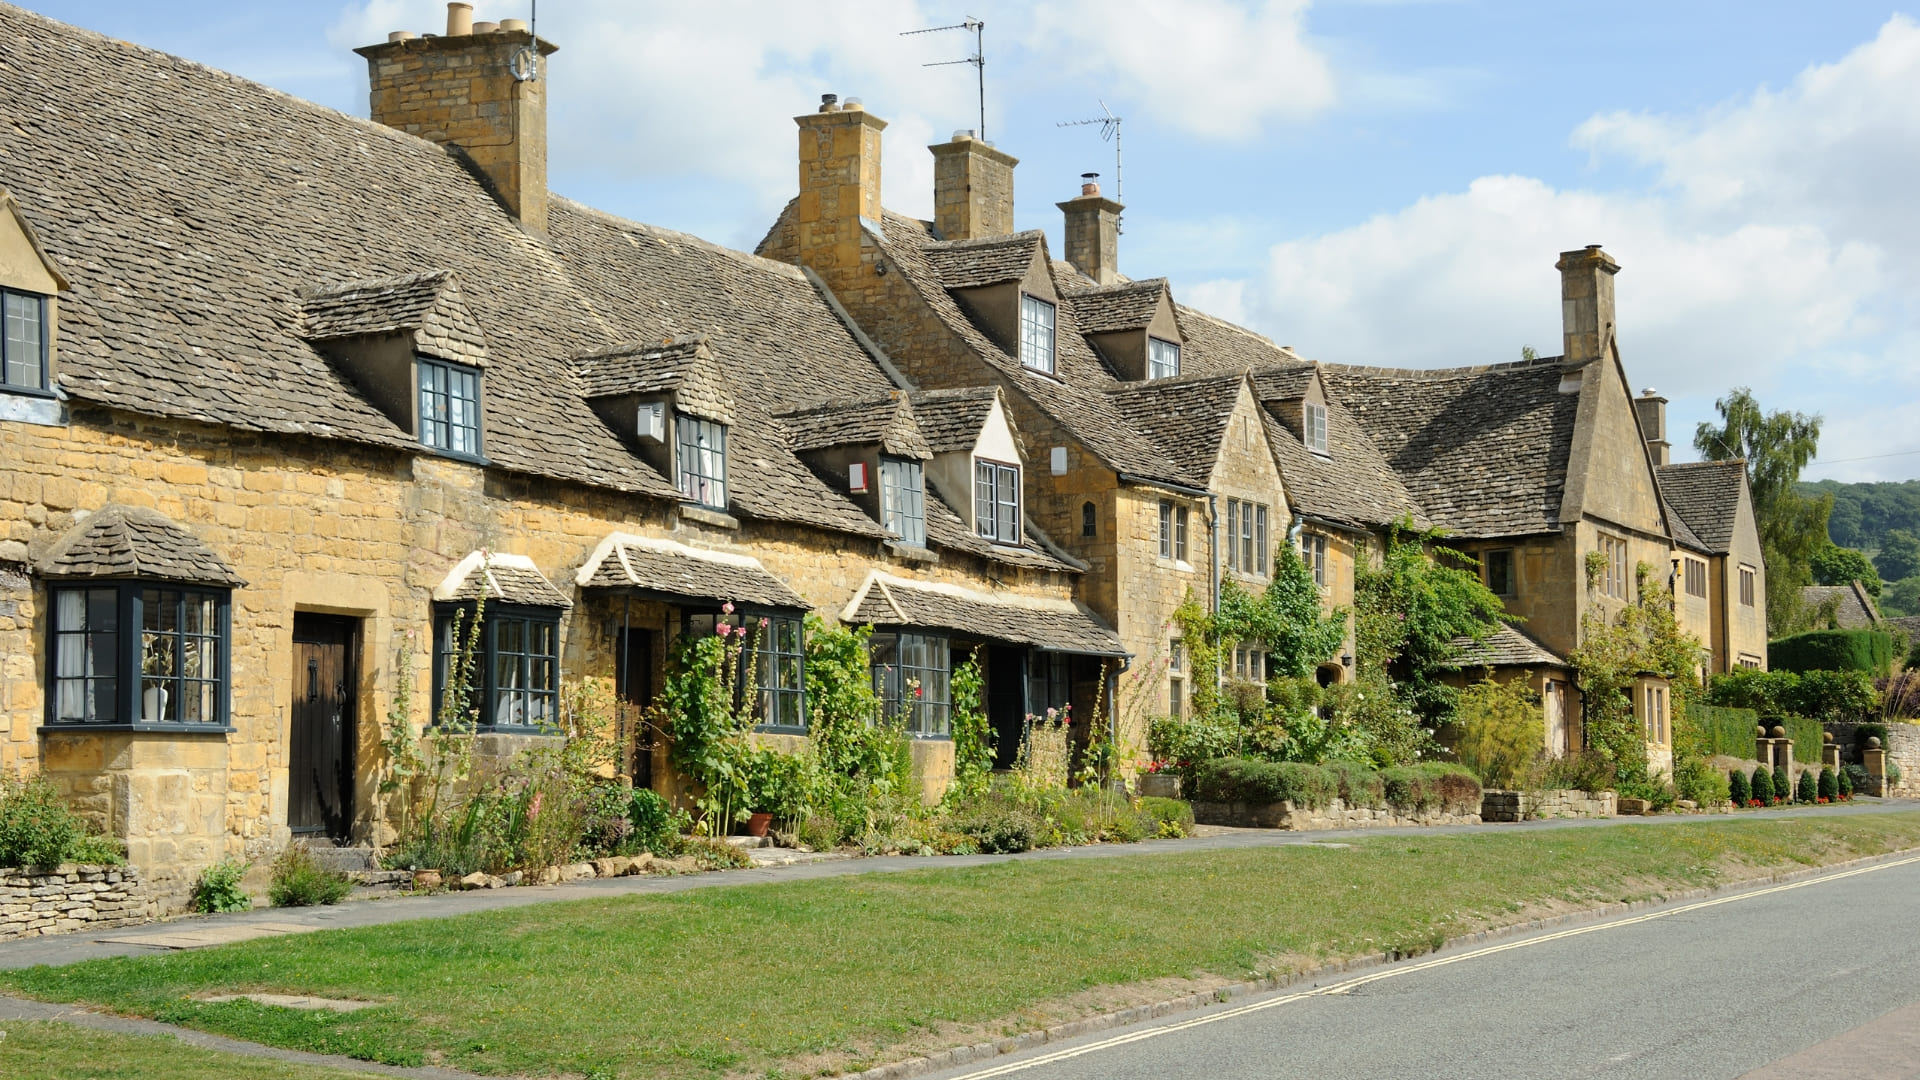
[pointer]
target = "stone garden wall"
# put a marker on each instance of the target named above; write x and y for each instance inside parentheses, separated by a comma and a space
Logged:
(1335, 815)
(70, 897)
(1558, 803)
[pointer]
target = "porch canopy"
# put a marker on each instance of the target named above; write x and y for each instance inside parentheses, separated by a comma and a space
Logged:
(1506, 647)
(672, 572)
(510, 579)
(1052, 625)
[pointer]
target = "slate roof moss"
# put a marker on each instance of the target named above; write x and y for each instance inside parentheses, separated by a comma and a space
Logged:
(1704, 497)
(135, 542)
(1853, 606)
(1509, 646)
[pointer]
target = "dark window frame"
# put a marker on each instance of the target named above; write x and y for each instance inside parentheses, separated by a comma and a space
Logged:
(992, 480)
(486, 658)
(131, 645)
(1693, 574)
(1313, 552)
(1031, 324)
(758, 666)
(439, 428)
(1506, 586)
(44, 345)
(929, 713)
(1749, 586)
(903, 500)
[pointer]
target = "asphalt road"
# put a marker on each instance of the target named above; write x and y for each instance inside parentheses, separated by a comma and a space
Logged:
(1697, 991)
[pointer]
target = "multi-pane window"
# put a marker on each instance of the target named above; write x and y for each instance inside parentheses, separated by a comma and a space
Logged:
(1250, 664)
(1613, 577)
(1246, 538)
(1176, 677)
(1036, 333)
(1653, 713)
(1498, 566)
(1166, 529)
(1173, 531)
(450, 407)
(23, 341)
(1313, 552)
(996, 501)
(780, 673)
(180, 652)
(1163, 359)
(702, 446)
(903, 508)
(1695, 572)
(912, 678)
(1314, 427)
(1089, 521)
(1746, 586)
(515, 673)
(1049, 681)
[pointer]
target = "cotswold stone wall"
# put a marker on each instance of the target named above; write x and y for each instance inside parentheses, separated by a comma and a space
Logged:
(70, 897)
(1335, 815)
(1558, 803)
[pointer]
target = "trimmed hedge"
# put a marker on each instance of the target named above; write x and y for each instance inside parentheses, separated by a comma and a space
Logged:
(1830, 696)
(1230, 780)
(1870, 651)
(1413, 789)
(1729, 731)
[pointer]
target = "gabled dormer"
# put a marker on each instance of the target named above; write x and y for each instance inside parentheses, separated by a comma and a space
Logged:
(1133, 327)
(977, 466)
(670, 401)
(413, 349)
(874, 451)
(30, 285)
(1006, 284)
(1297, 397)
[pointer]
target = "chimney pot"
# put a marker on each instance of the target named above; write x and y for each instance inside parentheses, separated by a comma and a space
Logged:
(853, 104)
(829, 102)
(402, 35)
(486, 28)
(459, 19)
(1093, 232)
(513, 26)
(962, 134)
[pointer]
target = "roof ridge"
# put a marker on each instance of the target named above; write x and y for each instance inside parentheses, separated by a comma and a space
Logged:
(760, 262)
(1441, 374)
(1023, 235)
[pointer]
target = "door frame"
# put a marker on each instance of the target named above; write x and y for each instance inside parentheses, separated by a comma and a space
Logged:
(348, 632)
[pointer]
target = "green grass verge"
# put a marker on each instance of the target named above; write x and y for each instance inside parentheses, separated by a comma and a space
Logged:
(50, 1051)
(853, 970)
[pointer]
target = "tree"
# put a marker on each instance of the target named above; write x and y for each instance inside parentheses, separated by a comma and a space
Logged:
(1836, 565)
(1776, 446)
(1901, 598)
(1899, 556)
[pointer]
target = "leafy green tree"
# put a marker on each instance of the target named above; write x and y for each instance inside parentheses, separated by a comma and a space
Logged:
(1615, 650)
(1776, 446)
(1899, 556)
(1836, 565)
(1286, 616)
(1901, 598)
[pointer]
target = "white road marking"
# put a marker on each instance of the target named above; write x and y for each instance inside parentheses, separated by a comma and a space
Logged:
(1408, 969)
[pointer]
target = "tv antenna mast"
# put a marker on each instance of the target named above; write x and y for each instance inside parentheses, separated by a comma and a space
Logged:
(1109, 129)
(978, 59)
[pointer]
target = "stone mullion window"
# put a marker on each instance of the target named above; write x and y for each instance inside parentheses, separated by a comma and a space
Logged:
(450, 407)
(1037, 319)
(912, 676)
(172, 672)
(24, 360)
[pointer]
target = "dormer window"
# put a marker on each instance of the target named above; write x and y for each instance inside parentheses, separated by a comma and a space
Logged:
(450, 407)
(996, 501)
(903, 507)
(702, 446)
(23, 341)
(1036, 333)
(1314, 427)
(1163, 359)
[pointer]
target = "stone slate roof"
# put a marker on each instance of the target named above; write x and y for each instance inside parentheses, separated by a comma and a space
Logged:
(426, 305)
(684, 367)
(1508, 646)
(1705, 497)
(674, 570)
(889, 421)
(1352, 485)
(1128, 306)
(1184, 417)
(967, 264)
(1060, 626)
(135, 542)
(1483, 450)
(1909, 623)
(951, 419)
(1215, 346)
(1854, 608)
(511, 579)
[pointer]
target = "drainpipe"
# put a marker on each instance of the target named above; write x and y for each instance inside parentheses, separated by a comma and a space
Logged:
(1213, 558)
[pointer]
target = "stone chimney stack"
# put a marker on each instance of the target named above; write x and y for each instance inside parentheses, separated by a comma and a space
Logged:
(1586, 303)
(1653, 421)
(480, 89)
(1093, 232)
(839, 185)
(972, 188)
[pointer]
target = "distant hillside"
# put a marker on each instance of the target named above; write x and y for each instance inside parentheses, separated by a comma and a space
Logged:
(1863, 513)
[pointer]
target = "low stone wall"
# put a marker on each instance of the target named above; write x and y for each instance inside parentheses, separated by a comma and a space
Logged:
(1335, 815)
(1556, 803)
(1902, 745)
(67, 898)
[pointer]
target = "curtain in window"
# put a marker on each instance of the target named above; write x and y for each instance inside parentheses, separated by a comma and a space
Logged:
(703, 460)
(86, 649)
(903, 500)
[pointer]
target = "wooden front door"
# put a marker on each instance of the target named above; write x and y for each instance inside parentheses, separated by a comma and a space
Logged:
(320, 761)
(633, 685)
(1006, 702)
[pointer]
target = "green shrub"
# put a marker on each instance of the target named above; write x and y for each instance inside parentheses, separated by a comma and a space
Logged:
(92, 849)
(299, 881)
(1171, 817)
(218, 887)
(1845, 780)
(997, 824)
(656, 826)
(1695, 780)
(1502, 730)
(1807, 790)
(1782, 786)
(1870, 651)
(1239, 780)
(1738, 789)
(1432, 786)
(1357, 785)
(1762, 785)
(36, 827)
(1659, 794)
(1724, 729)
(1185, 743)
(1829, 788)
(711, 854)
(1831, 696)
(1588, 771)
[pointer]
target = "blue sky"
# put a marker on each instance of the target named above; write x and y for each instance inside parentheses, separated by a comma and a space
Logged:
(1370, 181)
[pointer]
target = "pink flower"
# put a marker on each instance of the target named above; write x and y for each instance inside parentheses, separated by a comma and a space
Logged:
(727, 607)
(764, 623)
(723, 629)
(533, 808)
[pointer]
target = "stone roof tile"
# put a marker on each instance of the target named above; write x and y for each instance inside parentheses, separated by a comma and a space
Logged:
(135, 542)
(1106, 308)
(966, 264)
(1509, 646)
(888, 421)
(951, 419)
(674, 570)
(1704, 497)
(1059, 626)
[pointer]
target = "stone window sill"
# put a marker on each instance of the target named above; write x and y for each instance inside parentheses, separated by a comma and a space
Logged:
(222, 730)
(911, 552)
(707, 516)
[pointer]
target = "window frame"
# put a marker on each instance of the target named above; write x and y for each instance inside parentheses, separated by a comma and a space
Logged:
(1693, 574)
(903, 500)
(1313, 427)
(1614, 582)
(1248, 537)
(7, 361)
(486, 659)
(696, 485)
(128, 650)
(1032, 308)
(932, 706)
(991, 481)
(1313, 552)
(426, 410)
(1176, 677)
(1166, 528)
(755, 666)
(1509, 587)
(1157, 368)
(1749, 585)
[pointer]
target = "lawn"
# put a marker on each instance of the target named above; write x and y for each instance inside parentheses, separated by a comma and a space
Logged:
(48, 1051)
(789, 978)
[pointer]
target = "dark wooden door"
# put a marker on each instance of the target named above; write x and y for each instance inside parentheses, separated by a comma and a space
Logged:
(1006, 702)
(320, 784)
(633, 682)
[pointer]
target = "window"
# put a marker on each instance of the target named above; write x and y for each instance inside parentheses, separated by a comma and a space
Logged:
(1497, 565)
(703, 460)
(1163, 359)
(1696, 575)
(1246, 537)
(1250, 664)
(1746, 586)
(1750, 663)
(450, 407)
(911, 677)
(1653, 713)
(23, 341)
(1089, 521)
(181, 653)
(1176, 677)
(1180, 518)
(996, 501)
(1049, 681)
(1313, 552)
(515, 680)
(1166, 529)
(1613, 579)
(903, 507)
(780, 673)
(1314, 427)
(1036, 333)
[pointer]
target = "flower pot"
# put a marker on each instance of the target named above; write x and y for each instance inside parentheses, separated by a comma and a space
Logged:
(426, 879)
(758, 824)
(153, 704)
